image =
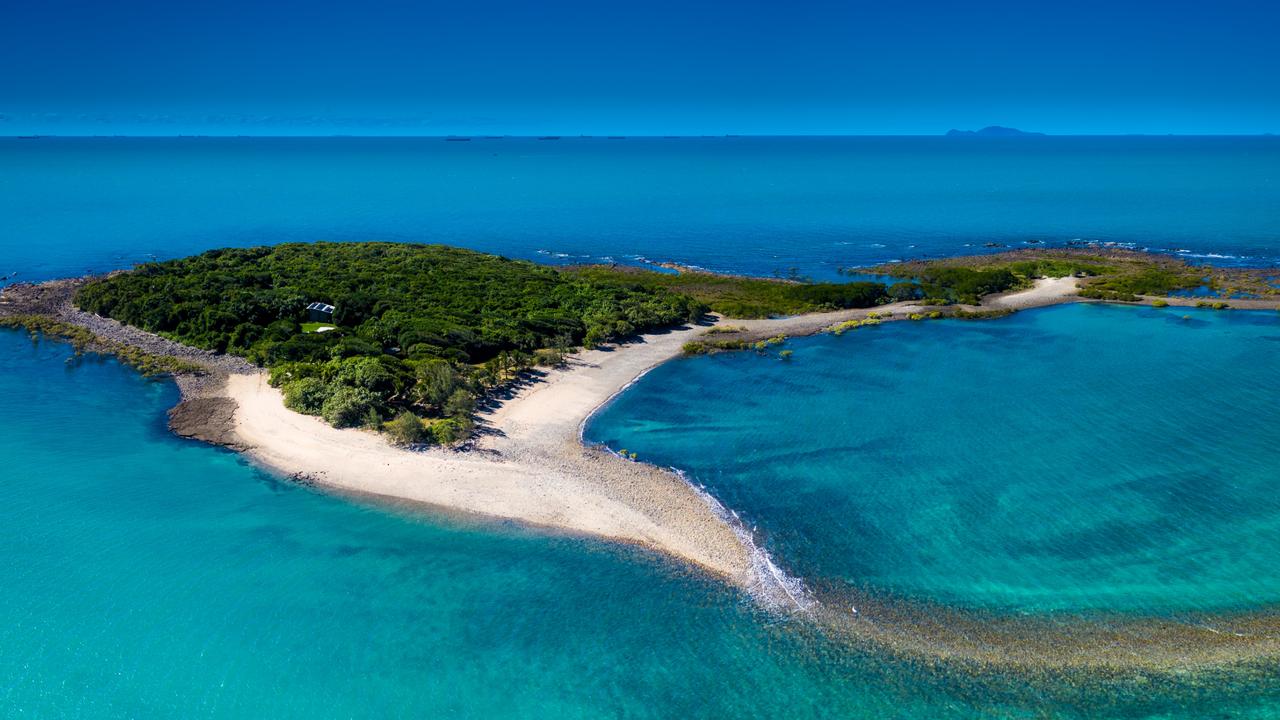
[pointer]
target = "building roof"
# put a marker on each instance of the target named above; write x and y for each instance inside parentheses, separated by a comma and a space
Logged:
(322, 307)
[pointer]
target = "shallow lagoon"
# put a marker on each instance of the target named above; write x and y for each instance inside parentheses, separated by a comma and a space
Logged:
(1078, 458)
(142, 575)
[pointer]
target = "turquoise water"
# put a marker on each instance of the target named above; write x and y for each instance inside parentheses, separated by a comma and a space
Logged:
(1078, 458)
(747, 205)
(145, 576)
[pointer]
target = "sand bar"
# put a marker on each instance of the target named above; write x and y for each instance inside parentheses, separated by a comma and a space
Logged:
(529, 464)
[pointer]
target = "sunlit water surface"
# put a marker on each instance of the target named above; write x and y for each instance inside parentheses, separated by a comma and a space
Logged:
(146, 576)
(1078, 458)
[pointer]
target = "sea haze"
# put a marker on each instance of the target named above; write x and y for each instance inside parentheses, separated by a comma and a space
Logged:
(743, 205)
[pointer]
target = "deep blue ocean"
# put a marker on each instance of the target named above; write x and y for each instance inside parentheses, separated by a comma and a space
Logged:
(1077, 460)
(743, 205)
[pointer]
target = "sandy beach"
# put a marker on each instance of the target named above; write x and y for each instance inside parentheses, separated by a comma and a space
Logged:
(530, 464)
(1047, 291)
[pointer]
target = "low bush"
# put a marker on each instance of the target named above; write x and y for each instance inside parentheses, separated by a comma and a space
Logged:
(406, 429)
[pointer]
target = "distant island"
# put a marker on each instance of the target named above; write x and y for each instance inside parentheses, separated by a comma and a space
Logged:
(995, 131)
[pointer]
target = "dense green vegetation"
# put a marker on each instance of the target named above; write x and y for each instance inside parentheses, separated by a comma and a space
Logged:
(1145, 281)
(742, 297)
(1110, 274)
(964, 285)
(424, 331)
(420, 329)
(427, 300)
(966, 280)
(84, 340)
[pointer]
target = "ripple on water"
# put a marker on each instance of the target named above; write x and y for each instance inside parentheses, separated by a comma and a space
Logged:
(142, 575)
(1080, 459)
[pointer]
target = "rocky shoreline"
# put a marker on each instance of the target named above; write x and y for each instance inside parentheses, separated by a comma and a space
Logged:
(205, 413)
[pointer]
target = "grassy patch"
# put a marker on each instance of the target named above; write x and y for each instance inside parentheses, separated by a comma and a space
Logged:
(742, 297)
(315, 327)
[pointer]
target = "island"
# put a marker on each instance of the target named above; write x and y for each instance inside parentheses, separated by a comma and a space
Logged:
(462, 381)
(993, 131)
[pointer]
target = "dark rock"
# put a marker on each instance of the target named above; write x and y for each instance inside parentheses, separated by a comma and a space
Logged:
(211, 419)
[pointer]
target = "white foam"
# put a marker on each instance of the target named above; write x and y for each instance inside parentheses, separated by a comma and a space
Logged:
(1215, 256)
(768, 584)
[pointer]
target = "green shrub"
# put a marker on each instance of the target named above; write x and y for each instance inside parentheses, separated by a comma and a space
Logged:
(450, 430)
(349, 406)
(871, 319)
(902, 291)
(702, 347)
(436, 380)
(406, 429)
(460, 404)
(982, 314)
(306, 395)
(1108, 295)
(759, 345)
(548, 357)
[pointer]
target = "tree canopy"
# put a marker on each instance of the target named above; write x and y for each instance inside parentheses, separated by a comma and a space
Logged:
(421, 329)
(421, 300)
(424, 329)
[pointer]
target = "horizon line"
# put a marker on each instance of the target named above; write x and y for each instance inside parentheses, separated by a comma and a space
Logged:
(608, 136)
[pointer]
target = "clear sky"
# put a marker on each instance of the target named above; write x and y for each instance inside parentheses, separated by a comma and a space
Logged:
(392, 67)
